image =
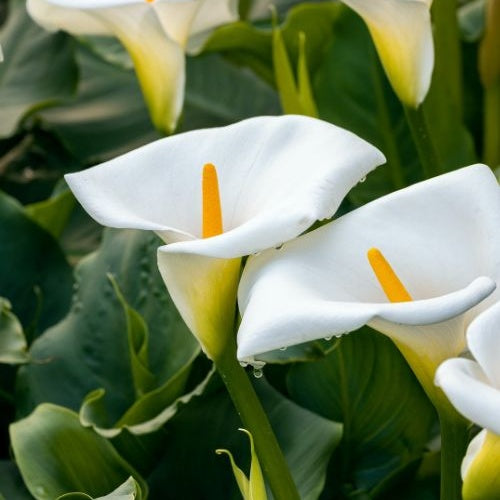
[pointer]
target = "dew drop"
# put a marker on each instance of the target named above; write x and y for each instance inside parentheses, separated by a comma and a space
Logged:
(283, 348)
(243, 364)
(257, 372)
(328, 338)
(363, 179)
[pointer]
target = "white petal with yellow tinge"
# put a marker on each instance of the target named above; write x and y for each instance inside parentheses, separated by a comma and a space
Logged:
(402, 33)
(277, 176)
(156, 34)
(441, 238)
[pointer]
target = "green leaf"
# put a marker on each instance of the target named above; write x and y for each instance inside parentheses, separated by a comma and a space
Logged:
(13, 345)
(129, 490)
(147, 414)
(138, 342)
(217, 94)
(205, 424)
(90, 348)
(34, 275)
(107, 116)
(38, 68)
(53, 214)
(366, 384)
(44, 446)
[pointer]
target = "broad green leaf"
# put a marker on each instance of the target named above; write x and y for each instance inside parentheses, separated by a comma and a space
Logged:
(209, 422)
(53, 214)
(90, 348)
(38, 68)
(106, 117)
(147, 414)
(129, 490)
(34, 275)
(56, 455)
(366, 384)
(13, 345)
(217, 94)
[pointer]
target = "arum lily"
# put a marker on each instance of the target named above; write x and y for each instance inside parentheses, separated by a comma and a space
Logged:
(441, 244)
(215, 196)
(265, 181)
(413, 265)
(156, 33)
(473, 387)
(402, 33)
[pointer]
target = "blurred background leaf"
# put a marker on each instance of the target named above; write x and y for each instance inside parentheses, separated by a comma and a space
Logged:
(38, 68)
(365, 384)
(208, 422)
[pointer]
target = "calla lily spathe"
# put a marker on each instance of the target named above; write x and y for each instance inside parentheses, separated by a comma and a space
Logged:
(156, 33)
(473, 387)
(440, 236)
(402, 33)
(277, 176)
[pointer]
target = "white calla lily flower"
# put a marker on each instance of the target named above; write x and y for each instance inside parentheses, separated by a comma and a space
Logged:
(442, 245)
(473, 387)
(402, 33)
(156, 33)
(276, 177)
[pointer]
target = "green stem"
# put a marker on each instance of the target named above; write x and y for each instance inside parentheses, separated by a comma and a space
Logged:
(427, 153)
(492, 126)
(448, 60)
(255, 420)
(388, 135)
(454, 438)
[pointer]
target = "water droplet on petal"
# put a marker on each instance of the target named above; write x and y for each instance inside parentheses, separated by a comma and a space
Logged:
(363, 179)
(243, 364)
(257, 372)
(283, 348)
(328, 338)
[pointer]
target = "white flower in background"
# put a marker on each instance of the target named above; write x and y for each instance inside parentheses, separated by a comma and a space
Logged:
(273, 178)
(402, 33)
(473, 387)
(156, 33)
(441, 240)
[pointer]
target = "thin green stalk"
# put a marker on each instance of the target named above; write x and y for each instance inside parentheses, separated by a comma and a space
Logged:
(390, 149)
(448, 60)
(492, 126)
(255, 420)
(426, 150)
(454, 438)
